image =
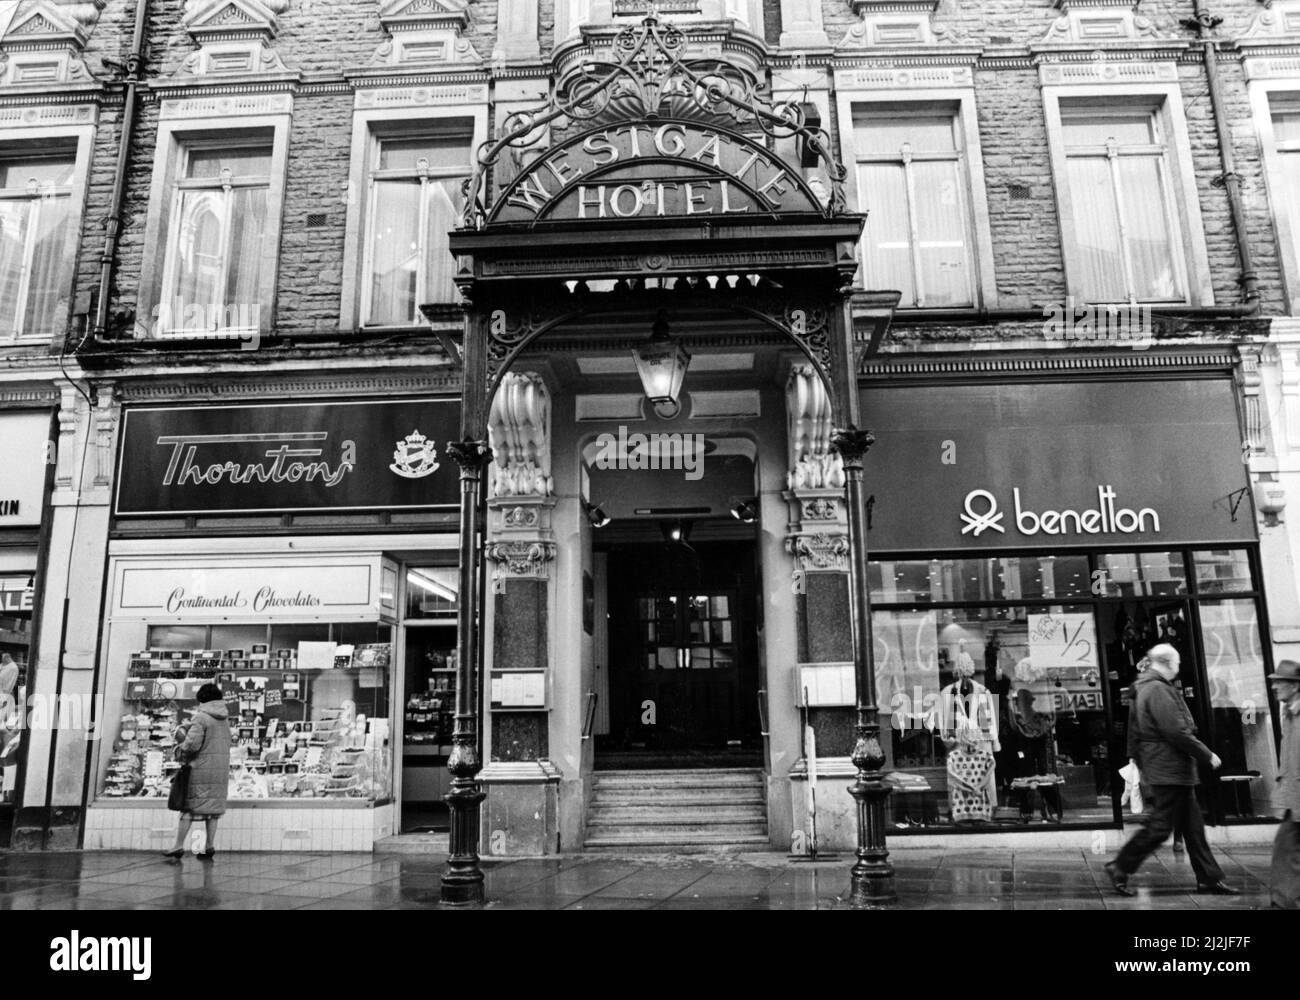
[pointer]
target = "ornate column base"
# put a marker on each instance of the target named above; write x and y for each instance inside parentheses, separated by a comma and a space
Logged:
(462, 882)
(872, 877)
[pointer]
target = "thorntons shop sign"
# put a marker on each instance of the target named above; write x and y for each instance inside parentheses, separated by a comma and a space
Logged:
(362, 455)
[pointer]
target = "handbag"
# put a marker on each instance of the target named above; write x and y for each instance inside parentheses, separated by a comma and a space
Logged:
(180, 789)
(1284, 876)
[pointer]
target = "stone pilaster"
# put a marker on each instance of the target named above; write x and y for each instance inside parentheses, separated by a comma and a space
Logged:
(522, 782)
(817, 539)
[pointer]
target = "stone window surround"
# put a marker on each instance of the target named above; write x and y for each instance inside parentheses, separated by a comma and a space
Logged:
(168, 159)
(1167, 105)
(368, 126)
(17, 141)
(851, 102)
(1266, 96)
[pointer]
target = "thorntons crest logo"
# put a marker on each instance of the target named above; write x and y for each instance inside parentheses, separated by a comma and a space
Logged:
(1105, 518)
(416, 457)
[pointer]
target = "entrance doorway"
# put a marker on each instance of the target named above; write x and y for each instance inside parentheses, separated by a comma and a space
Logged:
(683, 655)
(1128, 628)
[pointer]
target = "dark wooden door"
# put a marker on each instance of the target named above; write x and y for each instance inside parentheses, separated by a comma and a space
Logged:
(682, 656)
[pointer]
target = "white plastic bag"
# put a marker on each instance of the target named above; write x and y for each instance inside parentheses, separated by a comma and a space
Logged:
(1132, 787)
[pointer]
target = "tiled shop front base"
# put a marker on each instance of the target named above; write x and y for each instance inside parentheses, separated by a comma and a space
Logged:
(310, 826)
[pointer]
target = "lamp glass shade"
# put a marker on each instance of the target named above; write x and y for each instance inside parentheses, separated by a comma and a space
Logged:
(661, 362)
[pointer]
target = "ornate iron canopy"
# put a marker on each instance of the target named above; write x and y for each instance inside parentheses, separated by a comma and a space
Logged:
(653, 130)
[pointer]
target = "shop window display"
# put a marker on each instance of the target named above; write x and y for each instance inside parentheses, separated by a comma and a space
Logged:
(309, 710)
(16, 604)
(997, 715)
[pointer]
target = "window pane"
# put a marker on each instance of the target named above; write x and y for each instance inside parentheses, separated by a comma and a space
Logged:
(395, 252)
(43, 172)
(995, 715)
(1097, 130)
(244, 293)
(199, 251)
(941, 225)
(1222, 571)
(1286, 126)
(923, 134)
(51, 266)
(1096, 226)
(1238, 693)
(431, 591)
(992, 579)
(1142, 574)
(443, 198)
(886, 239)
(1150, 243)
(15, 216)
(447, 152)
(246, 162)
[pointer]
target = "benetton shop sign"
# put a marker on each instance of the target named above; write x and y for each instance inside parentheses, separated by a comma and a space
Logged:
(1068, 464)
(335, 456)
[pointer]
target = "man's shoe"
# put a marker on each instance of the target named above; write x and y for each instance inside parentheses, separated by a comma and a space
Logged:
(1216, 889)
(1118, 880)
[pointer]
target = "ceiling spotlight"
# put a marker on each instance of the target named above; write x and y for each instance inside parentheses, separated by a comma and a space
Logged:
(745, 510)
(675, 532)
(595, 515)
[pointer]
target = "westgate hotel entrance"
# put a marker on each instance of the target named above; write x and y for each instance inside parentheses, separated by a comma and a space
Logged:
(638, 619)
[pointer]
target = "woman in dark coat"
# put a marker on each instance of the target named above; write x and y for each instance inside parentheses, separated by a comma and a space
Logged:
(207, 750)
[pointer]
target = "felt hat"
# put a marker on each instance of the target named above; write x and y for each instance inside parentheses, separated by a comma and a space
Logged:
(1287, 670)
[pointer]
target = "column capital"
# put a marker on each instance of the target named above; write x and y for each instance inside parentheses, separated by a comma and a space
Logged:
(852, 443)
(470, 455)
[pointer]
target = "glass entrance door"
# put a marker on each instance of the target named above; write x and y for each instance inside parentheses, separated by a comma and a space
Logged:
(683, 680)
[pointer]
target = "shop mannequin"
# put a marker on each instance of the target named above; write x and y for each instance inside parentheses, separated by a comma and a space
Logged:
(969, 729)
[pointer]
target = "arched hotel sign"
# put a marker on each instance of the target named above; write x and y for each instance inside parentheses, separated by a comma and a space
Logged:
(655, 167)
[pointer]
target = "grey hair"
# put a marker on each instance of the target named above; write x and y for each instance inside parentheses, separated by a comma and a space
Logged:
(1163, 655)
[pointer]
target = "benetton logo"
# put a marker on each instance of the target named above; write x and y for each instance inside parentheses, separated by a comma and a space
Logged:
(1105, 518)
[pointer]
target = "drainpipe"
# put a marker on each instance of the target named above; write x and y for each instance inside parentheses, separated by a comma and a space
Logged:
(134, 66)
(1204, 24)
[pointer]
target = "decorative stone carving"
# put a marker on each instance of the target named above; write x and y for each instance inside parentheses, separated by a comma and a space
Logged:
(1248, 380)
(66, 461)
(233, 36)
(1277, 21)
(1288, 357)
(421, 32)
(520, 560)
(823, 552)
(813, 463)
(106, 416)
(519, 429)
(889, 23)
(41, 41)
(1095, 22)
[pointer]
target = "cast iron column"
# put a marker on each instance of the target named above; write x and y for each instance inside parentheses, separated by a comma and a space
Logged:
(462, 882)
(872, 876)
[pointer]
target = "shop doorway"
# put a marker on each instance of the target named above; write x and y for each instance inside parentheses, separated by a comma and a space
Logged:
(683, 670)
(1127, 630)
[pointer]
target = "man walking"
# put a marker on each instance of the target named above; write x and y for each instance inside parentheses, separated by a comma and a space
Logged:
(1286, 847)
(1167, 752)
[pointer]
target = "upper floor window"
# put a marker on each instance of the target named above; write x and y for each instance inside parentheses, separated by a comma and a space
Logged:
(414, 189)
(37, 244)
(913, 182)
(1284, 181)
(213, 280)
(1125, 219)
(216, 212)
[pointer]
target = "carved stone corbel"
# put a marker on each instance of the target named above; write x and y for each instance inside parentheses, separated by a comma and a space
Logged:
(106, 417)
(519, 560)
(66, 461)
(1248, 381)
(814, 464)
(519, 429)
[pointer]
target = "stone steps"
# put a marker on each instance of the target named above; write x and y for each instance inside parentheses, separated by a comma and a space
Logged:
(702, 809)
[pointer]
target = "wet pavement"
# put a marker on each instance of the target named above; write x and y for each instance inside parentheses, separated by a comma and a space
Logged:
(926, 879)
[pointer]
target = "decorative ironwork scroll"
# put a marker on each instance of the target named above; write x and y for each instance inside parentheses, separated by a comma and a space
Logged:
(653, 78)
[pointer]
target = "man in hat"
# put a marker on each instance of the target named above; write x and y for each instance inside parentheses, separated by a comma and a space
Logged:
(1286, 685)
(1167, 753)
